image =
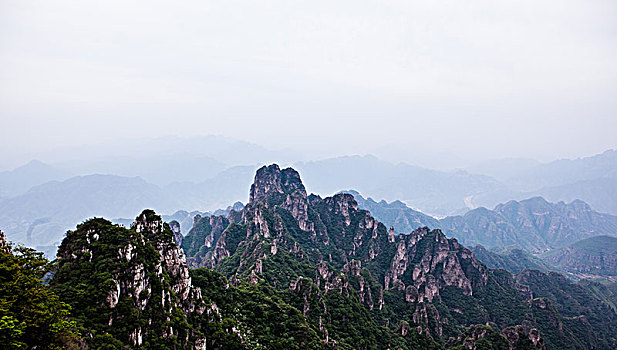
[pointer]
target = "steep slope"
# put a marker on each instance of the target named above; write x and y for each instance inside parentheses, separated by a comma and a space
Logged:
(533, 224)
(353, 278)
(129, 287)
(591, 257)
(513, 260)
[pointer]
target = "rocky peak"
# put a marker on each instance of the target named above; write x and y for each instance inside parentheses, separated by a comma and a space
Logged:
(175, 228)
(149, 224)
(144, 270)
(343, 204)
(4, 245)
(272, 183)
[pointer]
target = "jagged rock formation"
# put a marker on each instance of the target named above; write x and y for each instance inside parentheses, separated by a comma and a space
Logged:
(175, 228)
(203, 236)
(485, 337)
(129, 286)
(324, 254)
(4, 245)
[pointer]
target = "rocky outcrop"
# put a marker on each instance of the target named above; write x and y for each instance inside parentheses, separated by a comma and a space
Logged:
(200, 243)
(4, 245)
(486, 337)
(175, 228)
(138, 273)
(437, 263)
(520, 338)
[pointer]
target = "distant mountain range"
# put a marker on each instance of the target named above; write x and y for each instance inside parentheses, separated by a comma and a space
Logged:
(40, 201)
(591, 179)
(533, 224)
(42, 215)
(21, 179)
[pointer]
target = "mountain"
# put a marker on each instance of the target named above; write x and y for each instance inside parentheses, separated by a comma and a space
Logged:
(159, 169)
(353, 279)
(129, 287)
(20, 180)
(504, 169)
(513, 260)
(591, 257)
(533, 224)
(600, 193)
(567, 171)
(395, 214)
(42, 215)
(435, 192)
(216, 192)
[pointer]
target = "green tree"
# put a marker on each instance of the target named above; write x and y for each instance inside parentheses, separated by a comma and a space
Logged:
(31, 315)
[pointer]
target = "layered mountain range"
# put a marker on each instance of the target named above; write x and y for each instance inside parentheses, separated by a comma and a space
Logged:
(39, 202)
(533, 224)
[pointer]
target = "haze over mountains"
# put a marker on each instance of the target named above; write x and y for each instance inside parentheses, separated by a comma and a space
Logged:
(39, 201)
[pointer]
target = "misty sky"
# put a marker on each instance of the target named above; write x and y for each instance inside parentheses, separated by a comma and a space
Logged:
(476, 79)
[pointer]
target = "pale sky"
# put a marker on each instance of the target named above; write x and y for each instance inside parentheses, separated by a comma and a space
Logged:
(477, 79)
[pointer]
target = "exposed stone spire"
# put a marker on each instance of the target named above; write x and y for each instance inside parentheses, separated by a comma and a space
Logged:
(272, 182)
(4, 245)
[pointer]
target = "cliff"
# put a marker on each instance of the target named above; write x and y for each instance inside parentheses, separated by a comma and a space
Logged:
(129, 287)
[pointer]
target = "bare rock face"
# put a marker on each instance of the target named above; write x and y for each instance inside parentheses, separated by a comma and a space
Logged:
(271, 181)
(205, 233)
(4, 245)
(437, 263)
(328, 248)
(518, 336)
(175, 228)
(342, 241)
(173, 260)
(512, 338)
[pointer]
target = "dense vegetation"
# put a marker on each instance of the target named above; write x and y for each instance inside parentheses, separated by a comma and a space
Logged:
(31, 315)
(513, 260)
(591, 257)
